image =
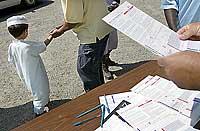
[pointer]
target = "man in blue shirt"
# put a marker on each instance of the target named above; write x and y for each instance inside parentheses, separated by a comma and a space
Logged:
(179, 13)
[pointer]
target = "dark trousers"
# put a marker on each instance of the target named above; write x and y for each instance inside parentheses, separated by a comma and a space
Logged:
(89, 63)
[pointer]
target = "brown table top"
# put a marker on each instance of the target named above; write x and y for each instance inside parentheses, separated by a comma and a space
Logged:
(62, 117)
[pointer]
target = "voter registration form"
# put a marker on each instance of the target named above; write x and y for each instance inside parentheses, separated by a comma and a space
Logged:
(147, 31)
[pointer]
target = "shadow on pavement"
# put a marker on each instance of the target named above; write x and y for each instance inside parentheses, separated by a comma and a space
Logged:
(127, 67)
(21, 9)
(12, 117)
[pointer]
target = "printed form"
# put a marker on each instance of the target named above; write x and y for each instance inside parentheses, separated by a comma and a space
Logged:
(154, 116)
(155, 104)
(167, 93)
(147, 31)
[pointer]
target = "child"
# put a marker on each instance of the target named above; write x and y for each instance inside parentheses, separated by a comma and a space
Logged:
(25, 55)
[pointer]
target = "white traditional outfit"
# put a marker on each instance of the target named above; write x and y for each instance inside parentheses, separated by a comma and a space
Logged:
(25, 55)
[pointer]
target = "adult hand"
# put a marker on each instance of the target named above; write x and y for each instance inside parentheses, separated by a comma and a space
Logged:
(56, 33)
(183, 68)
(190, 31)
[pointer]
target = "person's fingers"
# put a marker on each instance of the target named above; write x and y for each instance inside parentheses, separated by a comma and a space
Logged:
(182, 30)
(185, 32)
(54, 30)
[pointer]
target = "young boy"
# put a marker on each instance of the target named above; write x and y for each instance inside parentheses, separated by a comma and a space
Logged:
(25, 55)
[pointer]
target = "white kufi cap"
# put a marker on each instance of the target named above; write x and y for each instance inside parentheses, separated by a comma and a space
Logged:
(14, 20)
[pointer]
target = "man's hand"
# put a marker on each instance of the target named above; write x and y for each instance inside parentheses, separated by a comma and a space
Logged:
(59, 30)
(56, 33)
(183, 68)
(191, 31)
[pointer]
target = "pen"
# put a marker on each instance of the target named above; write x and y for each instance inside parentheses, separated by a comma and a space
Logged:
(107, 106)
(113, 99)
(86, 112)
(121, 118)
(102, 115)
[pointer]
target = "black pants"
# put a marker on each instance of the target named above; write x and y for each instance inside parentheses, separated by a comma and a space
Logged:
(89, 63)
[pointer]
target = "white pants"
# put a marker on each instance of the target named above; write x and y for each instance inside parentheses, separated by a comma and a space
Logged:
(40, 96)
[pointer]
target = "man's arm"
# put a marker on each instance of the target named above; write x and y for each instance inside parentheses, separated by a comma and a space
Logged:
(183, 68)
(58, 31)
(48, 40)
(171, 18)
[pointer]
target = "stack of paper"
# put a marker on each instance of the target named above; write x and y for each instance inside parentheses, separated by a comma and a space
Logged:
(167, 93)
(156, 104)
(147, 31)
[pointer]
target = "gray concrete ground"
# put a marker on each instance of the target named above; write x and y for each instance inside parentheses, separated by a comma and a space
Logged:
(59, 59)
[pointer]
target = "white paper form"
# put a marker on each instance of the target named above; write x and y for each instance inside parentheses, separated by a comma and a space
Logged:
(147, 31)
(114, 99)
(142, 83)
(191, 45)
(150, 114)
(114, 123)
(144, 29)
(170, 124)
(167, 93)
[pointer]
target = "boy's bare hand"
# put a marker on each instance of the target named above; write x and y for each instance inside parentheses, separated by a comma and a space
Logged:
(50, 37)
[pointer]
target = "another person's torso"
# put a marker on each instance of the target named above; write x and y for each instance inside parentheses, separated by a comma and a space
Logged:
(189, 11)
(30, 68)
(90, 14)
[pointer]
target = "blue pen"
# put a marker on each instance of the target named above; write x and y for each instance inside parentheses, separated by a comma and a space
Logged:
(88, 111)
(84, 121)
(113, 99)
(107, 106)
(102, 115)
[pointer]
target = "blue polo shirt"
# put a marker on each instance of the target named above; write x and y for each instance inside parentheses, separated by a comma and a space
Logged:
(188, 10)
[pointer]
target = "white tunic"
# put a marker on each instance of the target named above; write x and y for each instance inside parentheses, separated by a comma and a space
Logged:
(30, 68)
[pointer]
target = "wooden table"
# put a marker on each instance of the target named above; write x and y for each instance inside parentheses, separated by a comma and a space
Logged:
(62, 117)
